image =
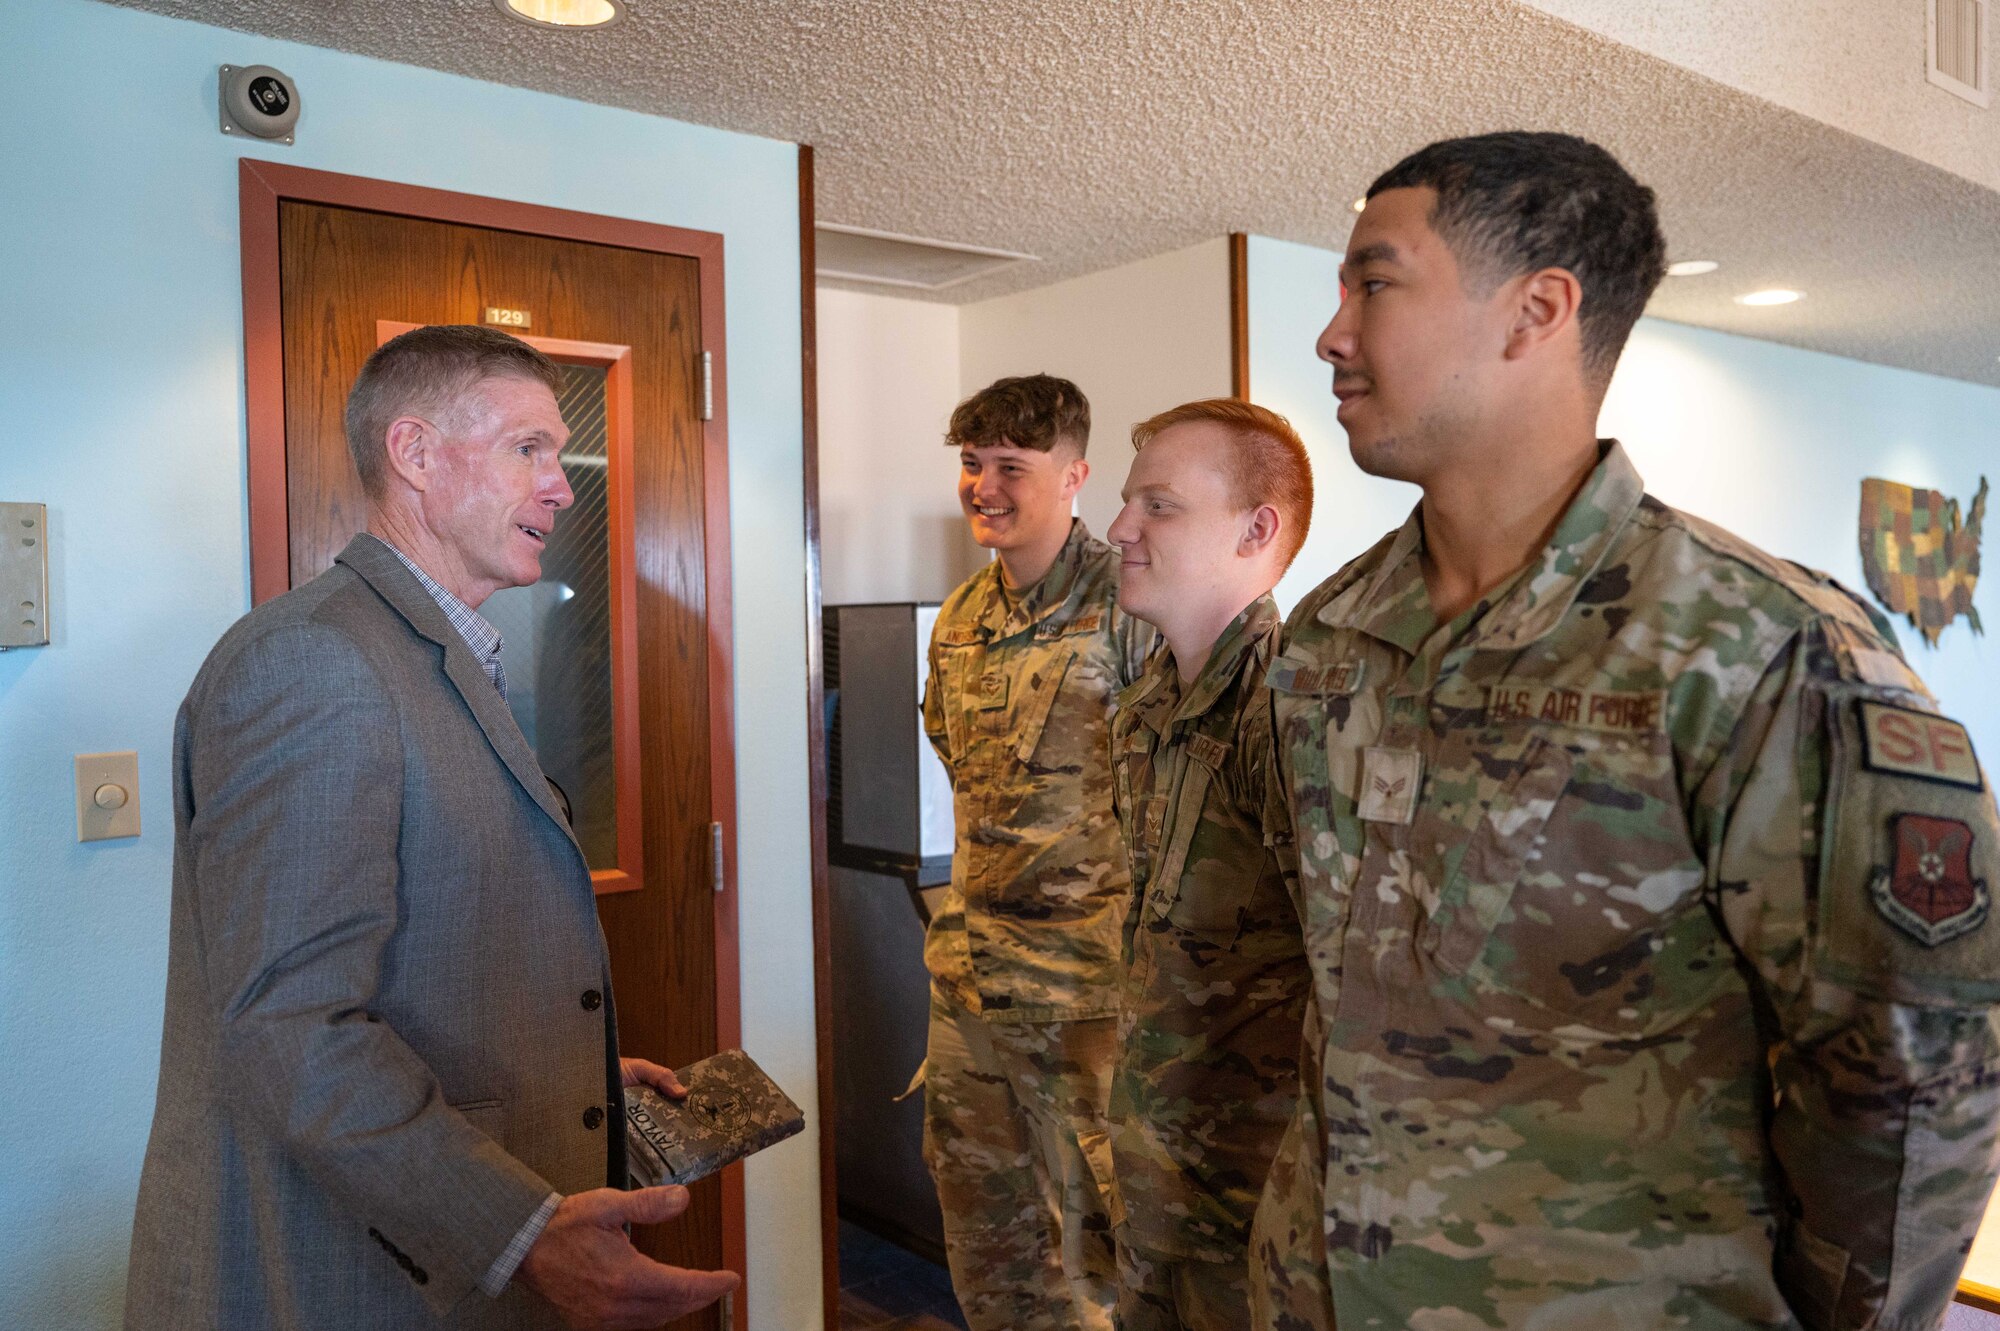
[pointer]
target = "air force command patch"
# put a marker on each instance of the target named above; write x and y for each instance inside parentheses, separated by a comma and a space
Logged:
(1928, 890)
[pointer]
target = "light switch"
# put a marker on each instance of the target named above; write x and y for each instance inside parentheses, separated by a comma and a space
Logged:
(107, 796)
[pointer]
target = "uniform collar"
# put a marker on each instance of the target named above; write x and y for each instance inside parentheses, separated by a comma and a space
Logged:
(1009, 613)
(1593, 521)
(1160, 682)
(1395, 605)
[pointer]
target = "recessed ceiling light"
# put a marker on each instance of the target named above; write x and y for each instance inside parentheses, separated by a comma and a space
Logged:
(563, 13)
(1360, 203)
(1692, 267)
(1775, 296)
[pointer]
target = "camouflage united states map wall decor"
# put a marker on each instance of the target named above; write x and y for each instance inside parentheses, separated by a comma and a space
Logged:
(1920, 560)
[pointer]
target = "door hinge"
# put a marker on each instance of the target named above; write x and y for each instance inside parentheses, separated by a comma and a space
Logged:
(707, 386)
(715, 875)
(728, 1320)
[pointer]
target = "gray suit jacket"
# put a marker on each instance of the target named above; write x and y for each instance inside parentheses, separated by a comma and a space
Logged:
(388, 1000)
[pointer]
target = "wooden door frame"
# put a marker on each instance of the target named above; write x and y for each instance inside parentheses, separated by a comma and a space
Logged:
(262, 187)
(816, 783)
(1239, 315)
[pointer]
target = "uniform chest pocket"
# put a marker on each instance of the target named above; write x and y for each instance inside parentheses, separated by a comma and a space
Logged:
(1479, 893)
(1041, 685)
(960, 667)
(1065, 717)
(1322, 731)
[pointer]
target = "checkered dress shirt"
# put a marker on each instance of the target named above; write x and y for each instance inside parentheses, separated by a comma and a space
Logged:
(480, 636)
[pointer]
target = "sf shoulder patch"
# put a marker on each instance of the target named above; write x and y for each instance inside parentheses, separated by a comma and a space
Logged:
(1928, 891)
(1909, 846)
(1907, 742)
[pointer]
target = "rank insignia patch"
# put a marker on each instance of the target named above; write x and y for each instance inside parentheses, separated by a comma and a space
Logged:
(1928, 890)
(992, 692)
(1390, 779)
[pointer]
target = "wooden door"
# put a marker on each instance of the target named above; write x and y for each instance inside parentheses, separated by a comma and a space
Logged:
(346, 272)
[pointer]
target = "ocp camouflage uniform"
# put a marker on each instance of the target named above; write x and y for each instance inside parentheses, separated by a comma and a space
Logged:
(1215, 978)
(1287, 1259)
(1023, 950)
(1646, 903)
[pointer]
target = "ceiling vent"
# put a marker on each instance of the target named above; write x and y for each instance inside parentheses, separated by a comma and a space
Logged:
(882, 257)
(1957, 46)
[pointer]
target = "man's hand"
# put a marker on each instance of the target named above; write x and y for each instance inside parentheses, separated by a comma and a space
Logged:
(638, 1072)
(585, 1265)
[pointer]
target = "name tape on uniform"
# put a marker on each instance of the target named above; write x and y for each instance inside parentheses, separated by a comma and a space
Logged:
(1210, 753)
(1341, 678)
(1919, 744)
(1090, 621)
(1587, 709)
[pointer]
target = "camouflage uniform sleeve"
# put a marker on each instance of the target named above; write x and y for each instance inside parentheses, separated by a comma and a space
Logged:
(1278, 828)
(1122, 810)
(1849, 844)
(935, 727)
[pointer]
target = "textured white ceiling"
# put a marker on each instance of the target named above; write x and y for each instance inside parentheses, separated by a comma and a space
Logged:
(1095, 133)
(1856, 64)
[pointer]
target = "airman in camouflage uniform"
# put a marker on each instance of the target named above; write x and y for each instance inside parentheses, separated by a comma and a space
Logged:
(1214, 962)
(1023, 949)
(1215, 977)
(1646, 899)
(1616, 1010)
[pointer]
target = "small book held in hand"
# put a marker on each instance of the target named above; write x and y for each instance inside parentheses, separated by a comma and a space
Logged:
(732, 1110)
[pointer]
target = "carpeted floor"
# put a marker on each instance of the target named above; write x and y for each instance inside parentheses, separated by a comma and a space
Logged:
(886, 1288)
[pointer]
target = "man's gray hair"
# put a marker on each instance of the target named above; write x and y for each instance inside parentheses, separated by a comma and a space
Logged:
(423, 373)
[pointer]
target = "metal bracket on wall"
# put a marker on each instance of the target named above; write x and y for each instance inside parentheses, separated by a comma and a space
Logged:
(24, 576)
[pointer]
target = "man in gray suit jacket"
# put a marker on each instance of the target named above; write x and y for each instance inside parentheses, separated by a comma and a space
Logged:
(389, 1081)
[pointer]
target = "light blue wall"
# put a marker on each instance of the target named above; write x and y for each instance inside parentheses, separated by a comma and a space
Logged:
(1768, 441)
(121, 373)
(1293, 292)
